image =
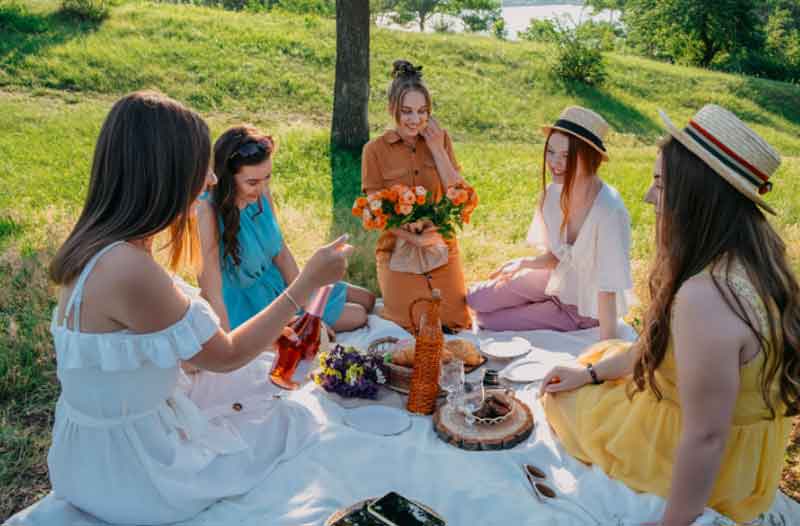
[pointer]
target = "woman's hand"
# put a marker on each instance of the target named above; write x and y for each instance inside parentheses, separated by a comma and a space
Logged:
(509, 267)
(433, 135)
(427, 237)
(565, 378)
(328, 264)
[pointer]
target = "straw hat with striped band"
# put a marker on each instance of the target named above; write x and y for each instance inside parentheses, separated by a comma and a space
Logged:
(731, 149)
(583, 124)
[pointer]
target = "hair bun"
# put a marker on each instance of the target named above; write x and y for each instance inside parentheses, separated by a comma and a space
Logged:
(404, 68)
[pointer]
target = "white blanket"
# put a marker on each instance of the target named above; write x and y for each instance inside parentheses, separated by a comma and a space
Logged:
(467, 488)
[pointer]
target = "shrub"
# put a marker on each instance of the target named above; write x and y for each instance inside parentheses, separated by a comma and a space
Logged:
(442, 25)
(603, 35)
(577, 60)
(88, 10)
(499, 29)
(540, 31)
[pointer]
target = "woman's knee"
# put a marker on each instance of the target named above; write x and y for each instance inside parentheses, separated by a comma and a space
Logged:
(362, 297)
(353, 316)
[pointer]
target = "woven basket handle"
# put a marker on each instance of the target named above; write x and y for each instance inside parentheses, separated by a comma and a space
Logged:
(411, 313)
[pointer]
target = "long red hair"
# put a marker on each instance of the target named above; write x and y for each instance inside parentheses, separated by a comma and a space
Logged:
(579, 152)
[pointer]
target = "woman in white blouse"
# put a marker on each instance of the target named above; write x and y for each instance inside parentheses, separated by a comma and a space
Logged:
(583, 278)
(131, 444)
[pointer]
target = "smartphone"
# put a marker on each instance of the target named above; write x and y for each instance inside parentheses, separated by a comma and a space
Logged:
(359, 517)
(395, 510)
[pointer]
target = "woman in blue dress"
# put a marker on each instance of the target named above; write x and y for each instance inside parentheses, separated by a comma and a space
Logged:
(246, 262)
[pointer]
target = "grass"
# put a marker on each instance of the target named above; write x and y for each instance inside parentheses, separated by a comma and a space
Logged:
(59, 77)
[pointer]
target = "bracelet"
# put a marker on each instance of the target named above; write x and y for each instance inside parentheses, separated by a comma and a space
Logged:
(593, 374)
(294, 301)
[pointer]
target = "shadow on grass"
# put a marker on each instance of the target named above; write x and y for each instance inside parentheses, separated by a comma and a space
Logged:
(622, 117)
(8, 229)
(24, 34)
(777, 98)
(345, 187)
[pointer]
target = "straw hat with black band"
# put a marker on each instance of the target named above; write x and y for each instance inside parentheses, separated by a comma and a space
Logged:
(584, 124)
(730, 148)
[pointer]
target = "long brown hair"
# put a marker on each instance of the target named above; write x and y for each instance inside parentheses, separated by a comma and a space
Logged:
(223, 195)
(579, 152)
(150, 164)
(705, 222)
(406, 78)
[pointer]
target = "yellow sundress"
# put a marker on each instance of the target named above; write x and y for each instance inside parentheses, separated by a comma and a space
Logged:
(634, 441)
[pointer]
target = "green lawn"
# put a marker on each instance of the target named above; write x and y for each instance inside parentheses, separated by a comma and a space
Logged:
(58, 79)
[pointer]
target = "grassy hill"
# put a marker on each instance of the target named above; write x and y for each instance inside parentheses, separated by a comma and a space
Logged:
(59, 77)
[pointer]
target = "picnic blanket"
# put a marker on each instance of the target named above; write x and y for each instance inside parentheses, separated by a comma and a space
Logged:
(466, 487)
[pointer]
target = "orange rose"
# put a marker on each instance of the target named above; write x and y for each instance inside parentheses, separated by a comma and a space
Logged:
(361, 202)
(408, 197)
(459, 197)
(420, 199)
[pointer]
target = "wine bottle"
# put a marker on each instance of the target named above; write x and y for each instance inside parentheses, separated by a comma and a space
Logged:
(308, 329)
(311, 330)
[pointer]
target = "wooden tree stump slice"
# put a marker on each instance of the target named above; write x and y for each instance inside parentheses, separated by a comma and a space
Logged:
(450, 426)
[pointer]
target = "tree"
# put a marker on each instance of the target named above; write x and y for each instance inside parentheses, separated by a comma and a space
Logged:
(406, 11)
(693, 31)
(477, 15)
(350, 124)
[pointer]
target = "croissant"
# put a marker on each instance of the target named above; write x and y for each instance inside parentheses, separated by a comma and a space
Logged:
(405, 356)
(465, 351)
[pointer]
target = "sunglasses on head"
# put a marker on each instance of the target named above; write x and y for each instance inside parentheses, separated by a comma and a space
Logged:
(251, 149)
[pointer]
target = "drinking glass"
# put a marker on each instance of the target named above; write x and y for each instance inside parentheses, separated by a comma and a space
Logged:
(451, 378)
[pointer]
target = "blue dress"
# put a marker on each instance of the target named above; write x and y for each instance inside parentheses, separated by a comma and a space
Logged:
(256, 282)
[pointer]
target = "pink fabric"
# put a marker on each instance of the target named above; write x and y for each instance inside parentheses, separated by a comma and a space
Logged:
(519, 304)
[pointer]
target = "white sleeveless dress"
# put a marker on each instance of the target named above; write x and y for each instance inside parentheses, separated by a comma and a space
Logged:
(135, 441)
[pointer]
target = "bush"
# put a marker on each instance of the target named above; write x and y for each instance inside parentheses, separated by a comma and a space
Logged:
(603, 35)
(88, 10)
(442, 25)
(578, 61)
(541, 31)
(499, 29)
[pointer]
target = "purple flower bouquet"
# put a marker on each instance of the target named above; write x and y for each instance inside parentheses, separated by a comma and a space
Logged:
(350, 373)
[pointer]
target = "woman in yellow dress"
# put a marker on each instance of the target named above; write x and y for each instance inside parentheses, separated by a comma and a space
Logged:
(698, 410)
(416, 152)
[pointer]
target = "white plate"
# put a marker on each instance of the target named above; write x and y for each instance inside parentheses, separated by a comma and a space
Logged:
(505, 350)
(526, 371)
(378, 420)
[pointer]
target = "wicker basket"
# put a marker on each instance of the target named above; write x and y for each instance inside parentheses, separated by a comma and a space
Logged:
(399, 378)
(399, 375)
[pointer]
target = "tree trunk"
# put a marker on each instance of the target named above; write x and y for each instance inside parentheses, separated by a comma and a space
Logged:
(350, 125)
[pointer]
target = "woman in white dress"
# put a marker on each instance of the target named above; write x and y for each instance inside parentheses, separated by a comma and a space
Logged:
(582, 279)
(130, 446)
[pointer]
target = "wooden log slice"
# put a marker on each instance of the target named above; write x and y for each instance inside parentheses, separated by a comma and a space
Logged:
(450, 426)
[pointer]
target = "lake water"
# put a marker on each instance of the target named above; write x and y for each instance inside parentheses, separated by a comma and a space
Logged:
(518, 18)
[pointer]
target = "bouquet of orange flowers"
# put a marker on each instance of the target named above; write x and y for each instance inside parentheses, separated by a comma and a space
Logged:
(403, 205)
